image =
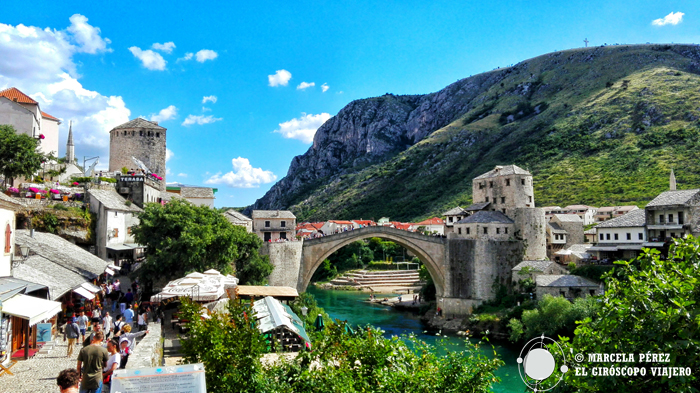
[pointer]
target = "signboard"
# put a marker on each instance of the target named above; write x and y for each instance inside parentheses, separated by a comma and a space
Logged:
(185, 378)
(43, 332)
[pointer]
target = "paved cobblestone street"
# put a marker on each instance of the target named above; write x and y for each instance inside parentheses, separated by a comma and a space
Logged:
(38, 375)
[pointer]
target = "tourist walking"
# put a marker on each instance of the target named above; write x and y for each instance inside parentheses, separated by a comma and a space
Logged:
(143, 320)
(96, 328)
(83, 324)
(107, 324)
(91, 362)
(129, 315)
(72, 332)
(129, 297)
(113, 363)
(118, 325)
(68, 380)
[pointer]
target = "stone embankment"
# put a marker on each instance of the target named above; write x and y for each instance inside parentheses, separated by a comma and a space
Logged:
(383, 281)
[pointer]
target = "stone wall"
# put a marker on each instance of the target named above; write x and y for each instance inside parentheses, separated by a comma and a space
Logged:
(530, 226)
(149, 149)
(286, 258)
(149, 351)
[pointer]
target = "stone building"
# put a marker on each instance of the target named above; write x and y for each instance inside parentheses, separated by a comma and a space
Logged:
(273, 225)
(485, 225)
(620, 238)
(140, 189)
(532, 269)
(240, 219)
(608, 212)
(563, 230)
(673, 214)
(452, 216)
(568, 286)
(115, 217)
(142, 139)
(586, 213)
(198, 196)
(508, 189)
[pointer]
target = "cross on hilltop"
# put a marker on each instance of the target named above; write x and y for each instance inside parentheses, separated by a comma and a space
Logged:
(585, 41)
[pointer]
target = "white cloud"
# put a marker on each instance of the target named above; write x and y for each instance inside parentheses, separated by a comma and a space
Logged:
(304, 85)
(243, 175)
(165, 47)
(165, 114)
(281, 78)
(168, 171)
(206, 54)
(673, 18)
(40, 63)
(149, 58)
(87, 36)
(168, 154)
(205, 109)
(211, 99)
(188, 56)
(182, 174)
(325, 87)
(193, 119)
(303, 128)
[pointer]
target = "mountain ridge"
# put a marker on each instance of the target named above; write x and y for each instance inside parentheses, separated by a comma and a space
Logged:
(411, 156)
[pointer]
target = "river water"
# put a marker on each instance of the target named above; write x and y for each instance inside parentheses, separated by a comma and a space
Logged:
(351, 306)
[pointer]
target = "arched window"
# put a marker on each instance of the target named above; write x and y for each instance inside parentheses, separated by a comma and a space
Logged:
(8, 239)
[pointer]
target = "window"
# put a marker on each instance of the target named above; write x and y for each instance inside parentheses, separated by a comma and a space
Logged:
(522, 181)
(503, 199)
(267, 236)
(481, 186)
(283, 235)
(607, 236)
(507, 182)
(680, 218)
(8, 238)
(661, 218)
(487, 199)
(115, 214)
(459, 231)
(157, 134)
(641, 236)
(673, 234)
(486, 230)
(616, 237)
(529, 198)
(504, 211)
(468, 230)
(629, 236)
(498, 231)
(283, 224)
(490, 184)
(141, 133)
(602, 237)
(267, 224)
(450, 219)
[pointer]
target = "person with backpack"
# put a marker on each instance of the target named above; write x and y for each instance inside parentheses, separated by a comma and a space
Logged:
(96, 328)
(118, 325)
(72, 332)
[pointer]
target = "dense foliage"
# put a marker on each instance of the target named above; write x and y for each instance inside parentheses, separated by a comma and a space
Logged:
(651, 305)
(19, 154)
(554, 316)
(341, 361)
(181, 237)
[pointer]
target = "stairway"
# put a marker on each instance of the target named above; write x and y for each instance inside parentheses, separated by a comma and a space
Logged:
(379, 278)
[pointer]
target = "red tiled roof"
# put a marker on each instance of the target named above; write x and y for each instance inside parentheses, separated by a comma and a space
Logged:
(432, 221)
(14, 94)
(46, 115)
(341, 222)
(365, 222)
(402, 225)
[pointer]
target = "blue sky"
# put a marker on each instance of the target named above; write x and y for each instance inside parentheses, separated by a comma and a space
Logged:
(101, 64)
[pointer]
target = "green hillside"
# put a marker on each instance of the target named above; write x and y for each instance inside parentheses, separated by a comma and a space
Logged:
(599, 126)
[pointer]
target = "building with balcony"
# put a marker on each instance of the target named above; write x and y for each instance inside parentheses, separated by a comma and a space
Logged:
(274, 225)
(452, 216)
(672, 214)
(563, 230)
(621, 237)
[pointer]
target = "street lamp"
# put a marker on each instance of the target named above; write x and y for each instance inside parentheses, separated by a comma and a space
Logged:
(304, 310)
(24, 251)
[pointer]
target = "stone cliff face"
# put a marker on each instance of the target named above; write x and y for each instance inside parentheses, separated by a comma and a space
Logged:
(370, 131)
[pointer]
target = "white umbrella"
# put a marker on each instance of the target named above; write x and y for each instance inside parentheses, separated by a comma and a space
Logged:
(195, 275)
(213, 272)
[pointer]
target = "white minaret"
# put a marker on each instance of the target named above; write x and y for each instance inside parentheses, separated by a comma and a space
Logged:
(70, 149)
(672, 181)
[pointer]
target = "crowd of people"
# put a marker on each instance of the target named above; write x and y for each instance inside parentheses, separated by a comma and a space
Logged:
(106, 341)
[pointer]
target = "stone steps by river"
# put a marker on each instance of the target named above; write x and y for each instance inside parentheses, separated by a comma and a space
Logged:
(380, 278)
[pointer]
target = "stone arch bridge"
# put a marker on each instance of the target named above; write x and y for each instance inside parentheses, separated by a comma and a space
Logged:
(463, 270)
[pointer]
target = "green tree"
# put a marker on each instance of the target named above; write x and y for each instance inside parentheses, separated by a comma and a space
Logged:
(650, 306)
(181, 237)
(228, 344)
(19, 154)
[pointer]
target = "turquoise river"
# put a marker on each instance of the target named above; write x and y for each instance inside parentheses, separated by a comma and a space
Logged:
(351, 306)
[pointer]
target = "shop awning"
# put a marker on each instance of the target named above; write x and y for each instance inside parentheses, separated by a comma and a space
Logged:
(119, 247)
(631, 247)
(109, 271)
(31, 308)
(84, 293)
(90, 287)
(608, 249)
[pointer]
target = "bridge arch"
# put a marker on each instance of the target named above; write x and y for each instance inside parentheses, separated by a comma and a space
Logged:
(429, 249)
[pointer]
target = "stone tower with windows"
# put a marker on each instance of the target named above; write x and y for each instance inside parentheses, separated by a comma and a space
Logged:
(138, 138)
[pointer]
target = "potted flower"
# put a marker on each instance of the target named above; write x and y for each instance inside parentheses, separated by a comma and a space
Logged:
(55, 194)
(12, 191)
